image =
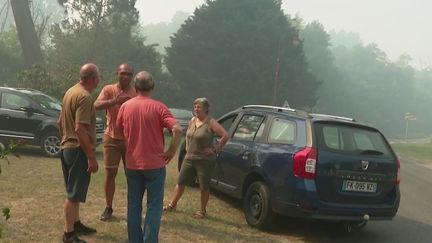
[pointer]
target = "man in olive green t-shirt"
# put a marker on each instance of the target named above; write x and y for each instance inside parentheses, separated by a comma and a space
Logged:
(77, 129)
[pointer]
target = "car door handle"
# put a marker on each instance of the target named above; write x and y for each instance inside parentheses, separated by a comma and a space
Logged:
(245, 155)
(6, 116)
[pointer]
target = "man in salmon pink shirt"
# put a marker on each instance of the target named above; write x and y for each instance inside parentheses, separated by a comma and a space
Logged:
(142, 121)
(110, 99)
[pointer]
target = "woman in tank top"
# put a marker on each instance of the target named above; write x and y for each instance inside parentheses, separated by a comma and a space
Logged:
(200, 155)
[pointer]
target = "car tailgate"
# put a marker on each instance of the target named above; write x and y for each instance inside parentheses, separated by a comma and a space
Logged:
(345, 178)
(354, 165)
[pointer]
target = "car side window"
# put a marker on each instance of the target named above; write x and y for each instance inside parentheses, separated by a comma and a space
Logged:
(227, 122)
(282, 131)
(248, 127)
(13, 101)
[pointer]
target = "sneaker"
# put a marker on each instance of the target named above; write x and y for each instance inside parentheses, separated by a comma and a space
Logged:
(72, 239)
(169, 208)
(107, 214)
(81, 229)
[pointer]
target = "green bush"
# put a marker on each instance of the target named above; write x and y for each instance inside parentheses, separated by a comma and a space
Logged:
(4, 151)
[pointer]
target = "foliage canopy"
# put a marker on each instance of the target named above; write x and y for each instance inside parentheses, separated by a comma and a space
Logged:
(229, 47)
(102, 32)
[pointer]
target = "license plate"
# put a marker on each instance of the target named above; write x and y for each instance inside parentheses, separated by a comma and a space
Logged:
(359, 186)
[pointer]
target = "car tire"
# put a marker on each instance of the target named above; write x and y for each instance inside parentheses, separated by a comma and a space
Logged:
(50, 144)
(257, 206)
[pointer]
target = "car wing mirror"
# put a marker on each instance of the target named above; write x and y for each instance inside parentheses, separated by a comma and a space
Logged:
(27, 109)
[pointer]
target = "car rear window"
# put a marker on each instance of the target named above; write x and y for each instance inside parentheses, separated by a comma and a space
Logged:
(351, 139)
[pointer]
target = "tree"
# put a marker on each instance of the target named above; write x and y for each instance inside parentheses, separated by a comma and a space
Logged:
(160, 33)
(422, 103)
(344, 38)
(381, 91)
(11, 60)
(26, 31)
(319, 55)
(228, 52)
(103, 32)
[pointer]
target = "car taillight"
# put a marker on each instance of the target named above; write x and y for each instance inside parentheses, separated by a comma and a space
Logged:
(398, 176)
(304, 163)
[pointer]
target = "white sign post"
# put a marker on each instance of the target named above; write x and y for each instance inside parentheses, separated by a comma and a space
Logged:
(408, 117)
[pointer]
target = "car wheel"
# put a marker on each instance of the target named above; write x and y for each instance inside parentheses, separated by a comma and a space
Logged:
(256, 206)
(50, 144)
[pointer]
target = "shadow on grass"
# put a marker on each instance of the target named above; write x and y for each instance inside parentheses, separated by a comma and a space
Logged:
(282, 226)
(36, 151)
(400, 229)
(214, 233)
(108, 238)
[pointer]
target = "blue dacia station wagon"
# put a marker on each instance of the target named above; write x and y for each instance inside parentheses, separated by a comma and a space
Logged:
(290, 162)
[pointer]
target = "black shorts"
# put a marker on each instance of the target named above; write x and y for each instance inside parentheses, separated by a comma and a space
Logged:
(76, 178)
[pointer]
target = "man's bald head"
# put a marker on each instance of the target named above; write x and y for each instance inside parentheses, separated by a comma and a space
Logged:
(125, 66)
(144, 81)
(88, 72)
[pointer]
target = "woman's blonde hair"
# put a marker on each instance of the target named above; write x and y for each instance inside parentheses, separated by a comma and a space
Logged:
(204, 102)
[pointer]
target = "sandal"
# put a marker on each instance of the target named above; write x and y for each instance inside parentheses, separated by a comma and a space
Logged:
(169, 207)
(199, 214)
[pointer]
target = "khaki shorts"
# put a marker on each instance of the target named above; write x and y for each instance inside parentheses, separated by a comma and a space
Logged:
(190, 169)
(114, 150)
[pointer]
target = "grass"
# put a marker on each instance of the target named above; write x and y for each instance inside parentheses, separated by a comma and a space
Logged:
(420, 152)
(32, 187)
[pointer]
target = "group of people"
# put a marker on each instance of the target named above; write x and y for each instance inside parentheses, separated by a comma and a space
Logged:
(134, 134)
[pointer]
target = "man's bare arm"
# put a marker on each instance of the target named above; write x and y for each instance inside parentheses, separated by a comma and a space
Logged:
(118, 100)
(82, 132)
(175, 140)
(59, 122)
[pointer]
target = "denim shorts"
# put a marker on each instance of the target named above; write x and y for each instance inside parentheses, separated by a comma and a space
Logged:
(191, 169)
(77, 179)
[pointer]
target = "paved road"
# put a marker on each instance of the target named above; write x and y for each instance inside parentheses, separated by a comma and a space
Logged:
(413, 222)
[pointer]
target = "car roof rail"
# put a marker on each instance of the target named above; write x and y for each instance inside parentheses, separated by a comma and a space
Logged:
(27, 89)
(334, 117)
(269, 107)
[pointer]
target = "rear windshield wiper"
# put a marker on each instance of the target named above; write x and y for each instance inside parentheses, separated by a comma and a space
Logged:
(371, 152)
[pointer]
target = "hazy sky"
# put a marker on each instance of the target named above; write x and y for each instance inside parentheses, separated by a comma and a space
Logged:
(397, 26)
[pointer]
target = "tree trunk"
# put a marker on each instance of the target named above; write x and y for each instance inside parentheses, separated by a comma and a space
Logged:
(26, 32)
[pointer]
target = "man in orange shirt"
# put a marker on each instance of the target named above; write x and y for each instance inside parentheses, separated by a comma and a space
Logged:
(142, 120)
(78, 136)
(111, 98)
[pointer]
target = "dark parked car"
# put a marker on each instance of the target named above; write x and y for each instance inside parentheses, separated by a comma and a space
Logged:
(182, 116)
(30, 115)
(289, 162)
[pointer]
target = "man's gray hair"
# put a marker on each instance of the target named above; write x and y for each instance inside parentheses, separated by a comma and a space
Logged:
(144, 81)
